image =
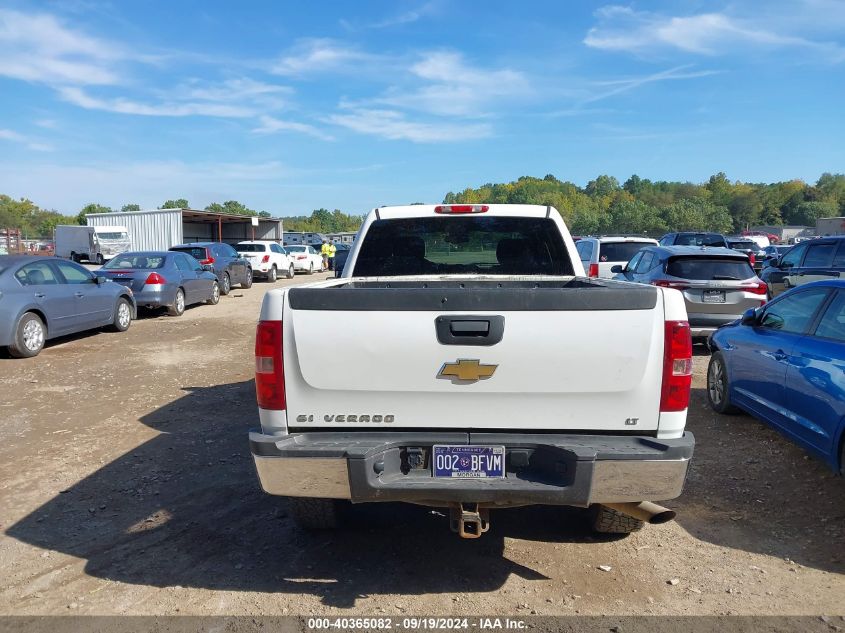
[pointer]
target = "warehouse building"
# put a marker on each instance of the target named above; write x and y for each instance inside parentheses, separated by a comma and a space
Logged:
(159, 229)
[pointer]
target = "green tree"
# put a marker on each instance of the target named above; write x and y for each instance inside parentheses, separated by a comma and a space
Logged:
(91, 208)
(807, 213)
(602, 186)
(130, 207)
(698, 215)
(629, 216)
(179, 203)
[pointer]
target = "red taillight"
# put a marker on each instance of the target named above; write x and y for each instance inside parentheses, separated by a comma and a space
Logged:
(301, 256)
(760, 288)
(269, 372)
(751, 258)
(663, 283)
(461, 208)
(677, 366)
(208, 259)
(265, 259)
(594, 270)
(154, 279)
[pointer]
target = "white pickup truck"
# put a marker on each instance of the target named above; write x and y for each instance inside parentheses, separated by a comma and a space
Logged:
(463, 360)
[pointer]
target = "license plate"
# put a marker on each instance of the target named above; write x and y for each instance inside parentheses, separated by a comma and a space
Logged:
(713, 296)
(469, 462)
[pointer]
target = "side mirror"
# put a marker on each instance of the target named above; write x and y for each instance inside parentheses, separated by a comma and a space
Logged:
(617, 269)
(99, 280)
(749, 317)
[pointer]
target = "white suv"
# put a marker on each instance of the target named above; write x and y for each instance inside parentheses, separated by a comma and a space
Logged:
(600, 254)
(268, 259)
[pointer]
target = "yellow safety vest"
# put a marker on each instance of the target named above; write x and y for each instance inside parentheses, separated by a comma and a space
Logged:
(332, 250)
(324, 249)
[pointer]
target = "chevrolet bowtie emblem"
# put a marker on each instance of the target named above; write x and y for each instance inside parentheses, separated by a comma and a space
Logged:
(466, 370)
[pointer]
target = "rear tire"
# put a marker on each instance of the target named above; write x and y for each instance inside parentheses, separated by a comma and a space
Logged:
(247, 283)
(74, 257)
(100, 260)
(313, 514)
(215, 294)
(291, 272)
(718, 390)
(609, 521)
(178, 307)
(30, 335)
(311, 268)
(122, 315)
(226, 286)
(272, 275)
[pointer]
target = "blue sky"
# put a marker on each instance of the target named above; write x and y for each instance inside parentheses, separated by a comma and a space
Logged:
(291, 106)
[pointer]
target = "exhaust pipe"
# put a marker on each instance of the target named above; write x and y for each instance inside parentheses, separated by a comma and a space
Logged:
(645, 511)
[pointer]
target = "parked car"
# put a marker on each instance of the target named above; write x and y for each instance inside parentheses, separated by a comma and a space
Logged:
(693, 238)
(782, 363)
(267, 259)
(340, 257)
(814, 260)
(600, 254)
(748, 247)
(45, 297)
(718, 284)
(164, 279)
(773, 251)
(305, 258)
(229, 267)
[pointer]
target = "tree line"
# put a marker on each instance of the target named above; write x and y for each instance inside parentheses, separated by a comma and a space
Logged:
(640, 205)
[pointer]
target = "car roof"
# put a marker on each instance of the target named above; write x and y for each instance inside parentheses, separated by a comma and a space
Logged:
(625, 238)
(12, 260)
(193, 244)
(148, 253)
(700, 251)
(825, 283)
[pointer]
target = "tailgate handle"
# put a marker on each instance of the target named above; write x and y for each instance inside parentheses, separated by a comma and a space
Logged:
(469, 329)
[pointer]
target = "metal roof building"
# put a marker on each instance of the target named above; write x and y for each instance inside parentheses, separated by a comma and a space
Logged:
(159, 229)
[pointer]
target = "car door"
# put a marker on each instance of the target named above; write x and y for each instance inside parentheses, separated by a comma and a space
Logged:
(759, 355)
(94, 301)
(774, 276)
(628, 270)
(643, 267)
(281, 257)
(816, 265)
(239, 265)
(53, 297)
(183, 265)
(815, 382)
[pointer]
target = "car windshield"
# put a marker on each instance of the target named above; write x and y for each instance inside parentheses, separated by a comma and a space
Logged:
(250, 248)
(197, 252)
(296, 249)
(699, 239)
(135, 260)
(620, 251)
(450, 245)
(709, 268)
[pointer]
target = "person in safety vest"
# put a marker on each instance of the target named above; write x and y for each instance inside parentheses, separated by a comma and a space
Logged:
(332, 251)
(324, 251)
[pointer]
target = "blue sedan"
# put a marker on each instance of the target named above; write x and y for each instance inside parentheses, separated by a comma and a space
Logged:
(45, 297)
(784, 363)
(164, 279)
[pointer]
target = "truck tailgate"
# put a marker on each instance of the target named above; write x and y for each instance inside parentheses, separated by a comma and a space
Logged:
(569, 358)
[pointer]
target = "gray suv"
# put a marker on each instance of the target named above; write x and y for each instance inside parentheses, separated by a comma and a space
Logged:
(718, 284)
(224, 261)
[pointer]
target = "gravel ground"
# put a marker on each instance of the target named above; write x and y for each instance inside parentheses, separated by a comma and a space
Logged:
(127, 488)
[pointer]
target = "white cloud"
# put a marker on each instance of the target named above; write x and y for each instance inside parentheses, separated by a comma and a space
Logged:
(618, 86)
(38, 48)
(407, 17)
(320, 55)
(17, 137)
(623, 29)
(122, 105)
(393, 125)
(272, 125)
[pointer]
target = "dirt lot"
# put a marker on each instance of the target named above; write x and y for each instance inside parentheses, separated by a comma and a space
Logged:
(127, 488)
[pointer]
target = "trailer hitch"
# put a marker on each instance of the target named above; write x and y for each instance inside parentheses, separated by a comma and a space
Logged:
(468, 520)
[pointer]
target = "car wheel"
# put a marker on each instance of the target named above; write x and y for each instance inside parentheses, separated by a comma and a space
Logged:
(100, 260)
(272, 275)
(29, 337)
(178, 307)
(291, 272)
(215, 294)
(718, 392)
(609, 521)
(122, 315)
(73, 257)
(314, 514)
(247, 283)
(311, 268)
(226, 286)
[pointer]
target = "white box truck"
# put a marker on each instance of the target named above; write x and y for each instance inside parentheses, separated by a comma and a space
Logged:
(78, 243)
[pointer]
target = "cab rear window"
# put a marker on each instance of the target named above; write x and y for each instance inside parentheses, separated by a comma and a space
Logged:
(709, 268)
(455, 245)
